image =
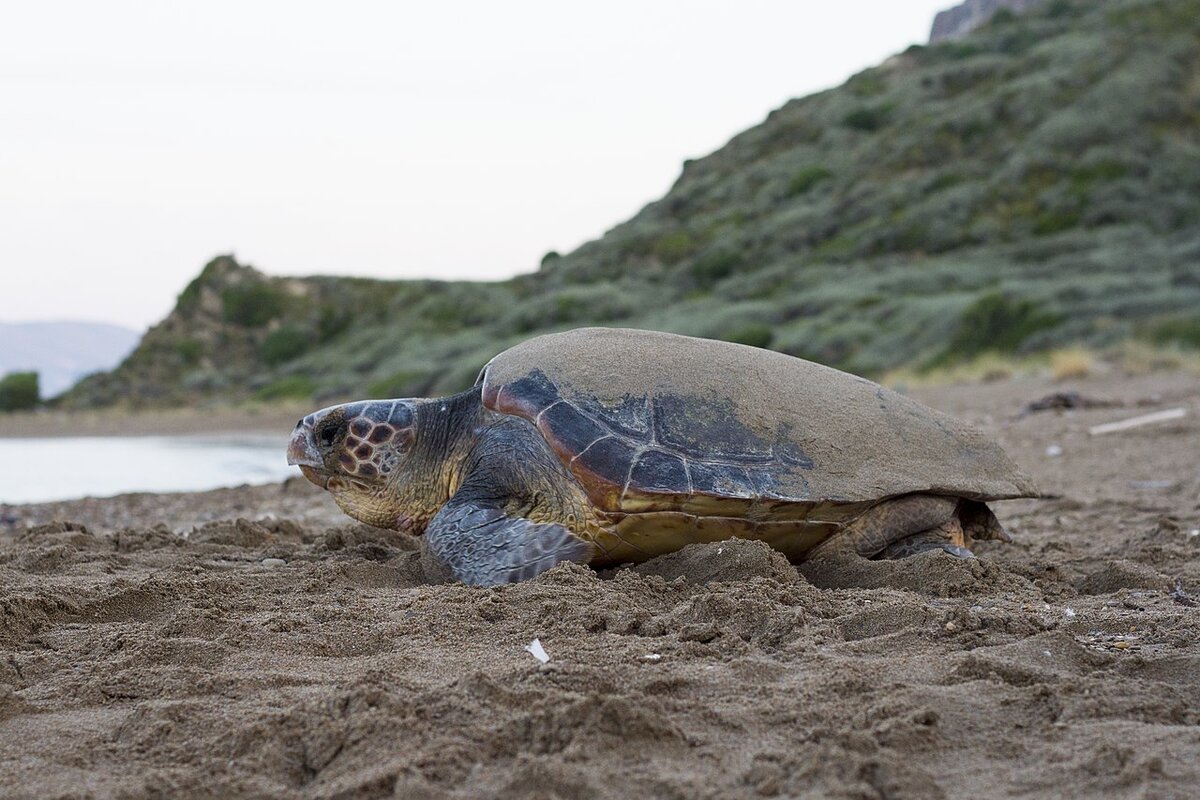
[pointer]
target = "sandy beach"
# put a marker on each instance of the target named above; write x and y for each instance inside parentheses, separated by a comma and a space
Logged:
(254, 642)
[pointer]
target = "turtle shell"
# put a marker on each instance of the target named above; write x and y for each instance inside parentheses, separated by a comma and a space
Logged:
(651, 421)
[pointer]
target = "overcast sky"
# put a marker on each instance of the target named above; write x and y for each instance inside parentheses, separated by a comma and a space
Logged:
(393, 139)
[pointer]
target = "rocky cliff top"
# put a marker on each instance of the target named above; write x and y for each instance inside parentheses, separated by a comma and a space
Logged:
(957, 22)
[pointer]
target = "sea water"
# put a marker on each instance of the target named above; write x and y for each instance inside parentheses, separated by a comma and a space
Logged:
(38, 470)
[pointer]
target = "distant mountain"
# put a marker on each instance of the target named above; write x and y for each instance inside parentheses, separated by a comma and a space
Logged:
(957, 22)
(1033, 185)
(63, 352)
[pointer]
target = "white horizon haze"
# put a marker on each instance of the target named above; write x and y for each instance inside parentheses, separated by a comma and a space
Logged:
(394, 140)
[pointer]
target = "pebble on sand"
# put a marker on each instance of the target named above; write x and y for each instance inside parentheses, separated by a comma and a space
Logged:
(273, 562)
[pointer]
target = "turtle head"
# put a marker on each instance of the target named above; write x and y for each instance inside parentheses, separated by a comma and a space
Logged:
(355, 451)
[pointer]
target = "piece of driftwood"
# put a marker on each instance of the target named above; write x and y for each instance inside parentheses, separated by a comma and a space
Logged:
(1063, 401)
(1137, 422)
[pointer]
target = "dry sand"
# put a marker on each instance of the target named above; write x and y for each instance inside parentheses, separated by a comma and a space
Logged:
(297, 655)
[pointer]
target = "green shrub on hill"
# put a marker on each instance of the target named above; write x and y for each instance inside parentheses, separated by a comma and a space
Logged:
(284, 344)
(867, 118)
(453, 306)
(292, 387)
(189, 351)
(997, 323)
(868, 83)
(405, 383)
(252, 304)
(189, 299)
(1182, 331)
(807, 178)
(715, 266)
(674, 246)
(578, 305)
(19, 391)
(753, 335)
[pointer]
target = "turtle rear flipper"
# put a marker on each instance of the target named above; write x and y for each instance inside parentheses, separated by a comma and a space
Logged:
(916, 523)
(925, 521)
(979, 522)
(482, 546)
(947, 537)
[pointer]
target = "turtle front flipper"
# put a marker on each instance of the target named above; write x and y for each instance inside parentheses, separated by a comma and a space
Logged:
(511, 517)
(480, 545)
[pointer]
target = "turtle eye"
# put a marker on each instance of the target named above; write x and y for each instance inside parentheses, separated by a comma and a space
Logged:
(328, 434)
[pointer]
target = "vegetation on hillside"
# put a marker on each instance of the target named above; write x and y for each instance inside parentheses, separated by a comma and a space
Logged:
(19, 391)
(1034, 185)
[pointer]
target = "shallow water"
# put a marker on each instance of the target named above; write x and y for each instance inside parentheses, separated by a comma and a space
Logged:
(38, 470)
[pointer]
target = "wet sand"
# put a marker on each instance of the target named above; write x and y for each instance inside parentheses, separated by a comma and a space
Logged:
(254, 643)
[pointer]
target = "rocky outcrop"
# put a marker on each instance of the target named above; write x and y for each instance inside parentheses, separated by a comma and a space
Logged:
(957, 22)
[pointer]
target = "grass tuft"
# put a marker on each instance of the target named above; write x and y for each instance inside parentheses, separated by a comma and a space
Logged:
(1071, 364)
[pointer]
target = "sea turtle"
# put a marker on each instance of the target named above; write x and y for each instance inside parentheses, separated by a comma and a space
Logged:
(605, 446)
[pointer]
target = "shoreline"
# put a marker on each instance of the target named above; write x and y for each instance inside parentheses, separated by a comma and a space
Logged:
(269, 420)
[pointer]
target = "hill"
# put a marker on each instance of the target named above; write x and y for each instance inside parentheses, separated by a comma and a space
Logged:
(957, 22)
(1033, 184)
(63, 352)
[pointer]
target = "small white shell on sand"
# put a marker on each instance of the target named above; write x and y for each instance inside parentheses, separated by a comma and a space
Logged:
(653, 656)
(536, 650)
(1054, 450)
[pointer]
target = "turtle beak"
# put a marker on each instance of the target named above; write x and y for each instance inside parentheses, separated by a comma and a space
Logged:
(302, 450)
